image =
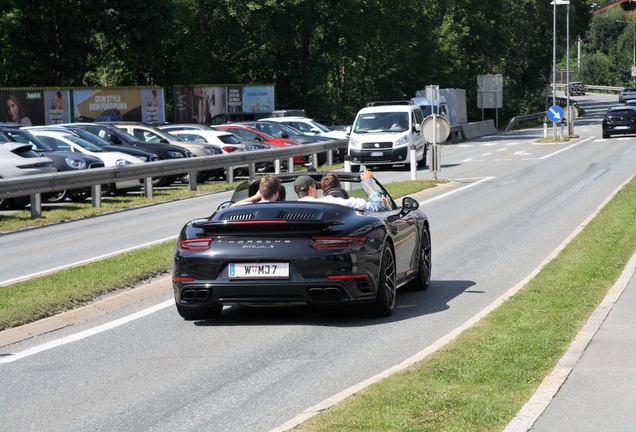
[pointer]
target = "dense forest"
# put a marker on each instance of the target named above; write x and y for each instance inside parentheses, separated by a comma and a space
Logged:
(327, 56)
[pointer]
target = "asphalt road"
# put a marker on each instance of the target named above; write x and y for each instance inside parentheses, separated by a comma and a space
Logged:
(142, 367)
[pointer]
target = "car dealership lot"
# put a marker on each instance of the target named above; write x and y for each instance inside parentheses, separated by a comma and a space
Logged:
(258, 367)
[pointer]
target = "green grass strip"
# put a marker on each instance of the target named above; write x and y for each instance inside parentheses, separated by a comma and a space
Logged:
(28, 301)
(482, 379)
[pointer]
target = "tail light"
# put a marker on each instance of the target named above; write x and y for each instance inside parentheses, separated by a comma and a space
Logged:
(229, 149)
(198, 244)
(337, 242)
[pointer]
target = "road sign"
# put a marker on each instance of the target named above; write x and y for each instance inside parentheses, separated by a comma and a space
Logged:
(555, 113)
(572, 114)
(435, 133)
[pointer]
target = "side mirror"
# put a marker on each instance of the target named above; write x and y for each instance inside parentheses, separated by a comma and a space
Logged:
(284, 135)
(114, 138)
(164, 141)
(348, 130)
(417, 127)
(225, 204)
(410, 204)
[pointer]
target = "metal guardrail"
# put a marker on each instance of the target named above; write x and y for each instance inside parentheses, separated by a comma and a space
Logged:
(36, 185)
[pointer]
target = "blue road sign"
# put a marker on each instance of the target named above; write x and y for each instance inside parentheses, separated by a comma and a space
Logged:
(555, 113)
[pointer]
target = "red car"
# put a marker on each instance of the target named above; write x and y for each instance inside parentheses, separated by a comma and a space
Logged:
(255, 135)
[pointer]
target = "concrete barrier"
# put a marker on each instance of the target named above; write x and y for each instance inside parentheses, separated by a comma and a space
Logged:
(479, 129)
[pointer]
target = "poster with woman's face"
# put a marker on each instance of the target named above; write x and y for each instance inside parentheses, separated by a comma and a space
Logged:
(25, 107)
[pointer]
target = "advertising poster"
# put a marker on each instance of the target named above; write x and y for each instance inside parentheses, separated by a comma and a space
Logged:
(258, 98)
(235, 99)
(152, 111)
(207, 102)
(23, 106)
(57, 107)
(107, 105)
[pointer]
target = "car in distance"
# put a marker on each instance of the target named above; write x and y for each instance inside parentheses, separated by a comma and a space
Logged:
(302, 252)
(620, 120)
(575, 88)
(628, 93)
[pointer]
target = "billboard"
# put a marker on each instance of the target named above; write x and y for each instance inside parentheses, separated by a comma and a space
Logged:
(23, 106)
(112, 104)
(198, 104)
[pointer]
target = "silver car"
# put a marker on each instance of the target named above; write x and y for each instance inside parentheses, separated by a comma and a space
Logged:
(16, 160)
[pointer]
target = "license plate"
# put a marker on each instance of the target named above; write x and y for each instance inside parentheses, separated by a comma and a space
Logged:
(377, 154)
(258, 270)
(621, 127)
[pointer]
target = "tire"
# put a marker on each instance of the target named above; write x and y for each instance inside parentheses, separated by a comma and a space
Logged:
(423, 278)
(199, 312)
(384, 303)
(422, 162)
(79, 196)
(160, 181)
(55, 197)
(606, 135)
(355, 168)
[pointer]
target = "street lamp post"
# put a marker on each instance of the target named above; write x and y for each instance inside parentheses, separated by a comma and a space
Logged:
(555, 3)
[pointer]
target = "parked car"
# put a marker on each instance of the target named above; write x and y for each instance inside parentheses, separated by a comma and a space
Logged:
(120, 138)
(19, 159)
(575, 88)
(62, 161)
(144, 155)
(169, 127)
(67, 141)
(223, 140)
(248, 133)
(153, 134)
(302, 252)
(308, 126)
(626, 94)
(620, 120)
(281, 130)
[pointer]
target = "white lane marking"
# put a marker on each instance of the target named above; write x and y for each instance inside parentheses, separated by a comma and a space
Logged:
(86, 333)
(542, 399)
(486, 154)
(502, 149)
(78, 263)
(562, 150)
(461, 189)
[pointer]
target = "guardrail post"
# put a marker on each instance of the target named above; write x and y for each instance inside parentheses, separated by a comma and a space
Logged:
(192, 179)
(229, 174)
(330, 157)
(315, 161)
(36, 206)
(277, 166)
(290, 165)
(413, 156)
(252, 171)
(96, 196)
(347, 163)
(148, 190)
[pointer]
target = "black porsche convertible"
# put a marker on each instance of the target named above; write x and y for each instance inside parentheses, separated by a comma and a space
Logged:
(294, 252)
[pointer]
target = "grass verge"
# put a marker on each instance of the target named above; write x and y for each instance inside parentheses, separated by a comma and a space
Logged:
(28, 301)
(481, 380)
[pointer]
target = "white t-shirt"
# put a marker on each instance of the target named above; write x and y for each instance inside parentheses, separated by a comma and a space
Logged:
(354, 203)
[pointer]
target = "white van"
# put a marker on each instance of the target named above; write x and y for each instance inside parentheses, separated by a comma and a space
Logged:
(384, 134)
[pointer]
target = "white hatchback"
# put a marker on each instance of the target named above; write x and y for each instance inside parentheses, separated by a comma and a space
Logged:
(65, 141)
